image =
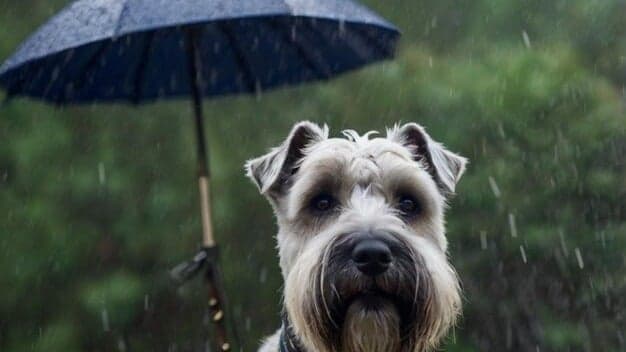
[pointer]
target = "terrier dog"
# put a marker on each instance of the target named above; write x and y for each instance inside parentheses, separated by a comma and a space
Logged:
(361, 239)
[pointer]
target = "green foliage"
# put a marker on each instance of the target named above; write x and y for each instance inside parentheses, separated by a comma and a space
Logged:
(97, 203)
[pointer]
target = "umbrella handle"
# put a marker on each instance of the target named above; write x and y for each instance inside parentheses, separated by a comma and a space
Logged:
(216, 299)
(205, 211)
(207, 259)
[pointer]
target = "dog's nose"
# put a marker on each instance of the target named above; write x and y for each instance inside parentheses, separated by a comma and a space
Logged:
(372, 257)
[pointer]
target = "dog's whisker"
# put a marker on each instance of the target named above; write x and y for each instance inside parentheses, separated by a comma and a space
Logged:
(336, 293)
(417, 279)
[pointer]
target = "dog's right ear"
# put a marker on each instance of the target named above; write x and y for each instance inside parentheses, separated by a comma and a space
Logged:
(445, 166)
(272, 170)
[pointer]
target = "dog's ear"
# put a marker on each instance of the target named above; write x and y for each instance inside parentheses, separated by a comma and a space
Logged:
(445, 167)
(273, 169)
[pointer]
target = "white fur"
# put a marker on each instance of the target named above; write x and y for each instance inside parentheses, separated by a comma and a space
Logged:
(367, 172)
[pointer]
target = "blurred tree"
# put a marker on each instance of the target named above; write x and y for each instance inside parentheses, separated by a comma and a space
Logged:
(97, 203)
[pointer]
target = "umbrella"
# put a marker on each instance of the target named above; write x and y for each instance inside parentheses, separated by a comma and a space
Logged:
(142, 50)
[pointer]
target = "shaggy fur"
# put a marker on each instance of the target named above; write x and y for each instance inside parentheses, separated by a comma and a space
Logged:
(330, 304)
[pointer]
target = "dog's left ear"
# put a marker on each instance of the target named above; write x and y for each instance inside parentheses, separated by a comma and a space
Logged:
(272, 170)
(445, 167)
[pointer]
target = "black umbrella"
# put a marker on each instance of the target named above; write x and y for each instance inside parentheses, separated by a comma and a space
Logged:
(141, 50)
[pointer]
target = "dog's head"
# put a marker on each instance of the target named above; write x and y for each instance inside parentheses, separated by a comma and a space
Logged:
(361, 236)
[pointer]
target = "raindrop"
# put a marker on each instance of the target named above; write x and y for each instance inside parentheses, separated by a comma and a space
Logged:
(146, 302)
(101, 173)
(509, 334)
(523, 253)
(263, 275)
(483, 240)
(258, 90)
(173, 82)
(512, 225)
(494, 187)
(579, 258)
(603, 239)
(105, 320)
(556, 153)
(526, 39)
(121, 344)
(55, 73)
(293, 33)
(501, 130)
(563, 245)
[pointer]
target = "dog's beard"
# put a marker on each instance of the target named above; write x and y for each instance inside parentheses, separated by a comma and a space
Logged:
(372, 324)
(374, 314)
(416, 303)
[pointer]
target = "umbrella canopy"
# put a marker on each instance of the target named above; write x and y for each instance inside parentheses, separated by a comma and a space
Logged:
(135, 50)
(142, 50)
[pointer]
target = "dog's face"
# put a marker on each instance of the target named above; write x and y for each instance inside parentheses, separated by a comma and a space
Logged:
(361, 237)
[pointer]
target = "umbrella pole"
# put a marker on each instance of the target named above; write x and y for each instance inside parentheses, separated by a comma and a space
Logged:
(216, 299)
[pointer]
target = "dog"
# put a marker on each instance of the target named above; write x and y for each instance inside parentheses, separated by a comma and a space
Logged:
(361, 239)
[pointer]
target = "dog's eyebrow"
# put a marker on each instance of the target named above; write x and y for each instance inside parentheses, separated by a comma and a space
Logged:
(322, 167)
(320, 174)
(400, 175)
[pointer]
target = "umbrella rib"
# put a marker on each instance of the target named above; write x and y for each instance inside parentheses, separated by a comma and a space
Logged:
(239, 56)
(142, 65)
(314, 65)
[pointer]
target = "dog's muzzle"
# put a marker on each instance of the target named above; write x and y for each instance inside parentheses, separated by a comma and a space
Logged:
(371, 271)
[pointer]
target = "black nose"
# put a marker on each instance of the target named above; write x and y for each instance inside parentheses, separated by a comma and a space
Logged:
(372, 257)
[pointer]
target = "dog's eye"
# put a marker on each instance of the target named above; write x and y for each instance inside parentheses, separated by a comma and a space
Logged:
(323, 203)
(408, 205)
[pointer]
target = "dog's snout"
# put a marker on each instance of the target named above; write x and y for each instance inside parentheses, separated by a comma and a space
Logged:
(371, 256)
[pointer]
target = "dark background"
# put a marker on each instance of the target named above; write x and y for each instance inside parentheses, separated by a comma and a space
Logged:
(98, 202)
